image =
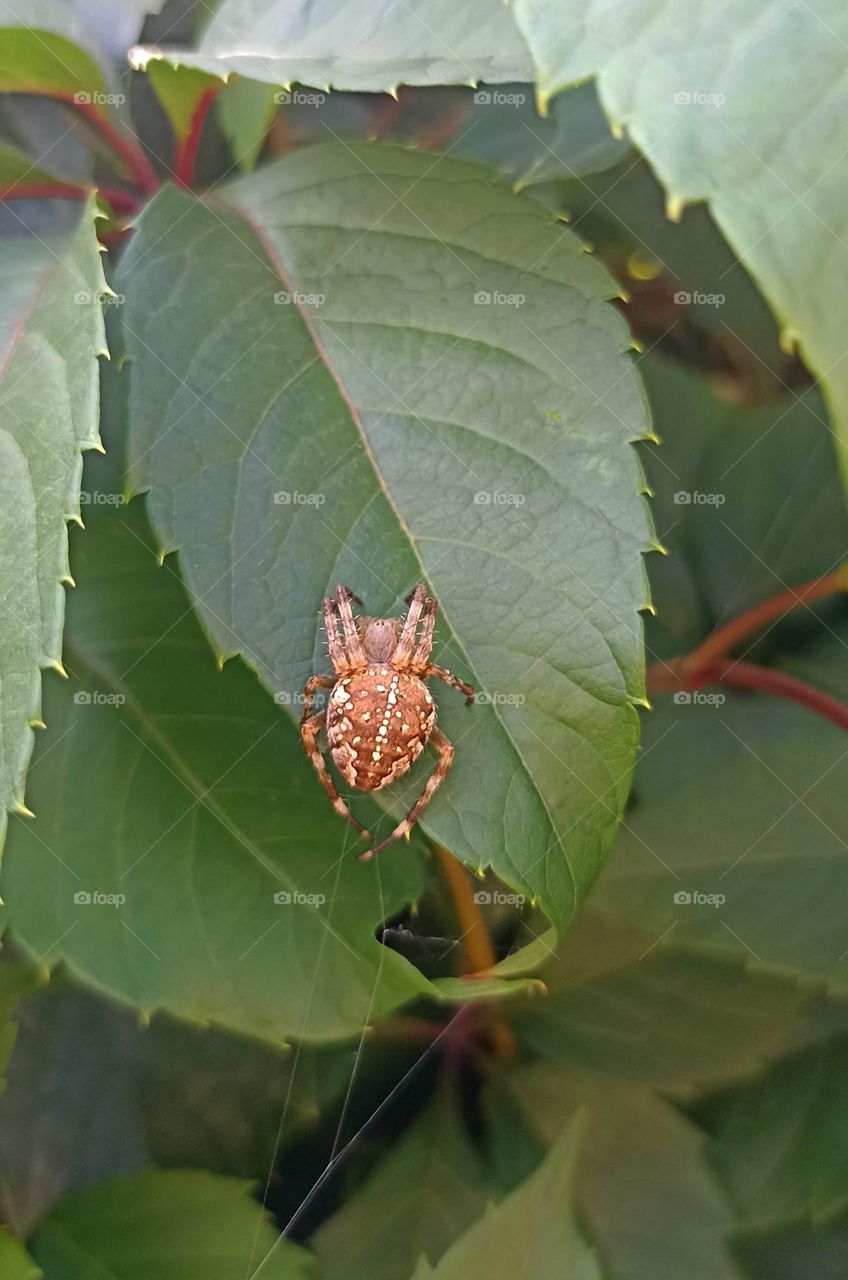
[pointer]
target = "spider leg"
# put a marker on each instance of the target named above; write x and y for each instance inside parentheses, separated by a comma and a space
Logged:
(445, 749)
(417, 602)
(421, 657)
(352, 640)
(309, 729)
(335, 645)
(449, 678)
(313, 683)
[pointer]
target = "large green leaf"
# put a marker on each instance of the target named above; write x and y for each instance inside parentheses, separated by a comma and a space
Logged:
(345, 46)
(174, 1225)
(160, 753)
(51, 332)
(621, 1005)
(755, 784)
(387, 429)
(531, 1234)
(780, 1143)
(15, 982)
(705, 113)
(646, 1197)
(44, 49)
(57, 1133)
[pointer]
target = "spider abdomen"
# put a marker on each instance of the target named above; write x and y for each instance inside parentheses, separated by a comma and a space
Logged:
(378, 722)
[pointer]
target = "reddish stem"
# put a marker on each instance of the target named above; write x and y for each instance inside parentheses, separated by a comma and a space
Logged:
(186, 157)
(129, 149)
(725, 638)
(748, 675)
(121, 201)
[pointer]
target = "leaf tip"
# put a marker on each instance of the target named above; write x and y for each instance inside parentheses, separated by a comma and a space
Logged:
(651, 437)
(56, 664)
(67, 580)
(674, 207)
(36, 723)
(658, 546)
(22, 811)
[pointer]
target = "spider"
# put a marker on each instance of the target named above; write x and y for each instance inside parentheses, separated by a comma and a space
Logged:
(379, 715)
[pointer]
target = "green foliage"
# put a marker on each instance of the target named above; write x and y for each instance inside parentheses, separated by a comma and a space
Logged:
(380, 356)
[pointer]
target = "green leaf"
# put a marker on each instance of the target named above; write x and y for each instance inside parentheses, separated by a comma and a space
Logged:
(51, 332)
(644, 1193)
(795, 1253)
(531, 1233)
(179, 89)
(322, 44)
(57, 1133)
(15, 1262)
(161, 752)
(705, 114)
(44, 49)
(422, 1196)
(174, 1225)
(780, 1143)
(756, 783)
(504, 129)
(623, 1006)
(16, 168)
(245, 111)
(388, 429)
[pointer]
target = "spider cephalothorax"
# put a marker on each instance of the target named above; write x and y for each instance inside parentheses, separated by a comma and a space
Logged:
(380, 714)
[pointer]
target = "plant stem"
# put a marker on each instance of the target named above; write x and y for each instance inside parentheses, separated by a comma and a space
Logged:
(43, 190)
(748, 675)
(476, 944)
(725, 638)
(129, 149)
(186, 157)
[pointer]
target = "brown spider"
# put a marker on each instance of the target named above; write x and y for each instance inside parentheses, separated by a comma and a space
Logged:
(379, 715)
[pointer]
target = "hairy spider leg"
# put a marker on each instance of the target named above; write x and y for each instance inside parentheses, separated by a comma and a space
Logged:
(445, 749)
(405, 645)
(441, 673)
(353, 642)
